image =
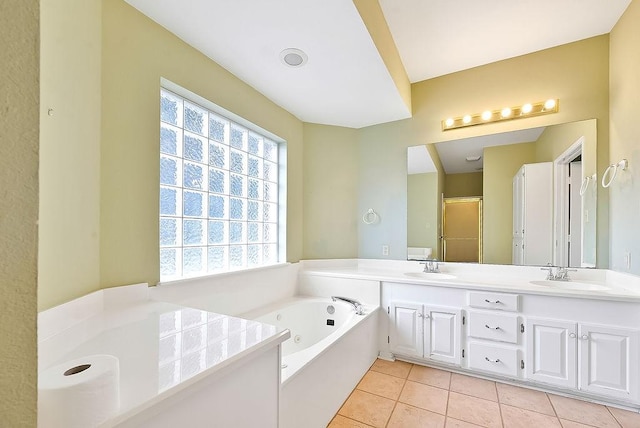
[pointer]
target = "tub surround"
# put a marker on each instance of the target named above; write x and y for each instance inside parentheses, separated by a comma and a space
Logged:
(232, 293)
(166, 353)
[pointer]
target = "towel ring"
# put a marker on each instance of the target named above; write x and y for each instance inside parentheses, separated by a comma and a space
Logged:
(585, 184)
(606, 180)
(370, 217)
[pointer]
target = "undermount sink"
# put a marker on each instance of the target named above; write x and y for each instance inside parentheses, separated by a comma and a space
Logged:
(571, 285)
(430, 275)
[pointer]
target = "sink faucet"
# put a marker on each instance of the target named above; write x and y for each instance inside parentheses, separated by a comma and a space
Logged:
(430, 266)
(561, 273)
(356, 305)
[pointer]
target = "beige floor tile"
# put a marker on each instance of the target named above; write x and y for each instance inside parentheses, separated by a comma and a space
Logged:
(404, 416)
(425, 396)
(583, 412)
(342, 422)
(524, 398)
(475, 410)
(455, 423)
(626, 418)
(473, 386)
(515, 417)
(381, 384)
(368, 408)
(393, 368)
(430, 376)
(570, 424)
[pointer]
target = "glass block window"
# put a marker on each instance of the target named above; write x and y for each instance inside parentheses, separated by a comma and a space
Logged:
(218, 192)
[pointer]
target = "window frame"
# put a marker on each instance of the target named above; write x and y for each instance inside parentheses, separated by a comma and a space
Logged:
(280, 202)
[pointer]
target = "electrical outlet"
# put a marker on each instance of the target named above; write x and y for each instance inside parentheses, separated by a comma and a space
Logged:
(385, 250)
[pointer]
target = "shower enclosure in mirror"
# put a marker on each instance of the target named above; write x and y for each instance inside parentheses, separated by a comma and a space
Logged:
(484, 167)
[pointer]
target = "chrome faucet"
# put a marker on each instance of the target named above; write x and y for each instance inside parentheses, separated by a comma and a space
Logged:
(356, 305)
(430, 266)
(561, 273)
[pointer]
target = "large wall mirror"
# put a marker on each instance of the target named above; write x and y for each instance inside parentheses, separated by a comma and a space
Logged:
(469, 200)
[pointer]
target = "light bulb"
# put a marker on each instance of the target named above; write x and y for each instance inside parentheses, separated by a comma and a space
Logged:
(506, 112)
(466, 119)
(486, 115)
(448, 122)
(549, 104)
(526, 108)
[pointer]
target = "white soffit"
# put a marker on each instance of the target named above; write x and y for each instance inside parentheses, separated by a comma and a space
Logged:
(344, 82)
(437, 37)
(453, 154)
(419, 161)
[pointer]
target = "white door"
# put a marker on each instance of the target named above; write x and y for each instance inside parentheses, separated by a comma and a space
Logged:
(575, 215)
(442, 334)
(609, 361)
(551, 351)
(405, 336)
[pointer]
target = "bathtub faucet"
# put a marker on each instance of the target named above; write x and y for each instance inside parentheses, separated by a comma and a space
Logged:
(356, 305)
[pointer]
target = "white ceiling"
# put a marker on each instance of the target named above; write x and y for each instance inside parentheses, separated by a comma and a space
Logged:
(453, 154)
(345, 82)
(438, 37)
(419, 160)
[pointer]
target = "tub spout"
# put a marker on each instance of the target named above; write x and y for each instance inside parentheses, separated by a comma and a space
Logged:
(356, 305)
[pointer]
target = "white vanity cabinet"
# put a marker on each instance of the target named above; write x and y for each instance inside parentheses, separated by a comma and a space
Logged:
(533, 214)
(494, 333)
(593, 358)
(424, 331)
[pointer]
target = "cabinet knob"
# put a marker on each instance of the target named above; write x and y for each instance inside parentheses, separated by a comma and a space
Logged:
(585, 337)
(492, 328)
(489, 301)
(497, 360)
(572, 335)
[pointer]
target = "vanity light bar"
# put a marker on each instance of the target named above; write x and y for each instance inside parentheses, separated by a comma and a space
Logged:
(526, 110)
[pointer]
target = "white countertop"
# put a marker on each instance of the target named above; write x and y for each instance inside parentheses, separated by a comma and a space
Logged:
(162, 348)
(513, 279)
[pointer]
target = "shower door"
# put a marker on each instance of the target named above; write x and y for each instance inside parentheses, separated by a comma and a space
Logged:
(462, 230)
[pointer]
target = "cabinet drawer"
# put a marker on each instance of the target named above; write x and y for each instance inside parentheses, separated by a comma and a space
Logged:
(493, 358)
(500, 301)
(500, 327)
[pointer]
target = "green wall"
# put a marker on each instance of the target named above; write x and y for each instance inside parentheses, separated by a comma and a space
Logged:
(625, 140)
(136, 53)
(463, 184)
(19, 103)
(422, 211)
(576, 73)
(69, 227)
(501, 163)
(330, 177)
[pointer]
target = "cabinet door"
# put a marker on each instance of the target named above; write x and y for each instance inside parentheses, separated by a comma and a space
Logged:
(405, 336)
(551, 351)
(442, 334)
(609, 361)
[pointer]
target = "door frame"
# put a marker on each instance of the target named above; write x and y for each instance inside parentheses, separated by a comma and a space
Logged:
(480, 213)
(561, 201)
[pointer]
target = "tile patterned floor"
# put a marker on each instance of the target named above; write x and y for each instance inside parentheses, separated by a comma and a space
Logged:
(404, 395)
